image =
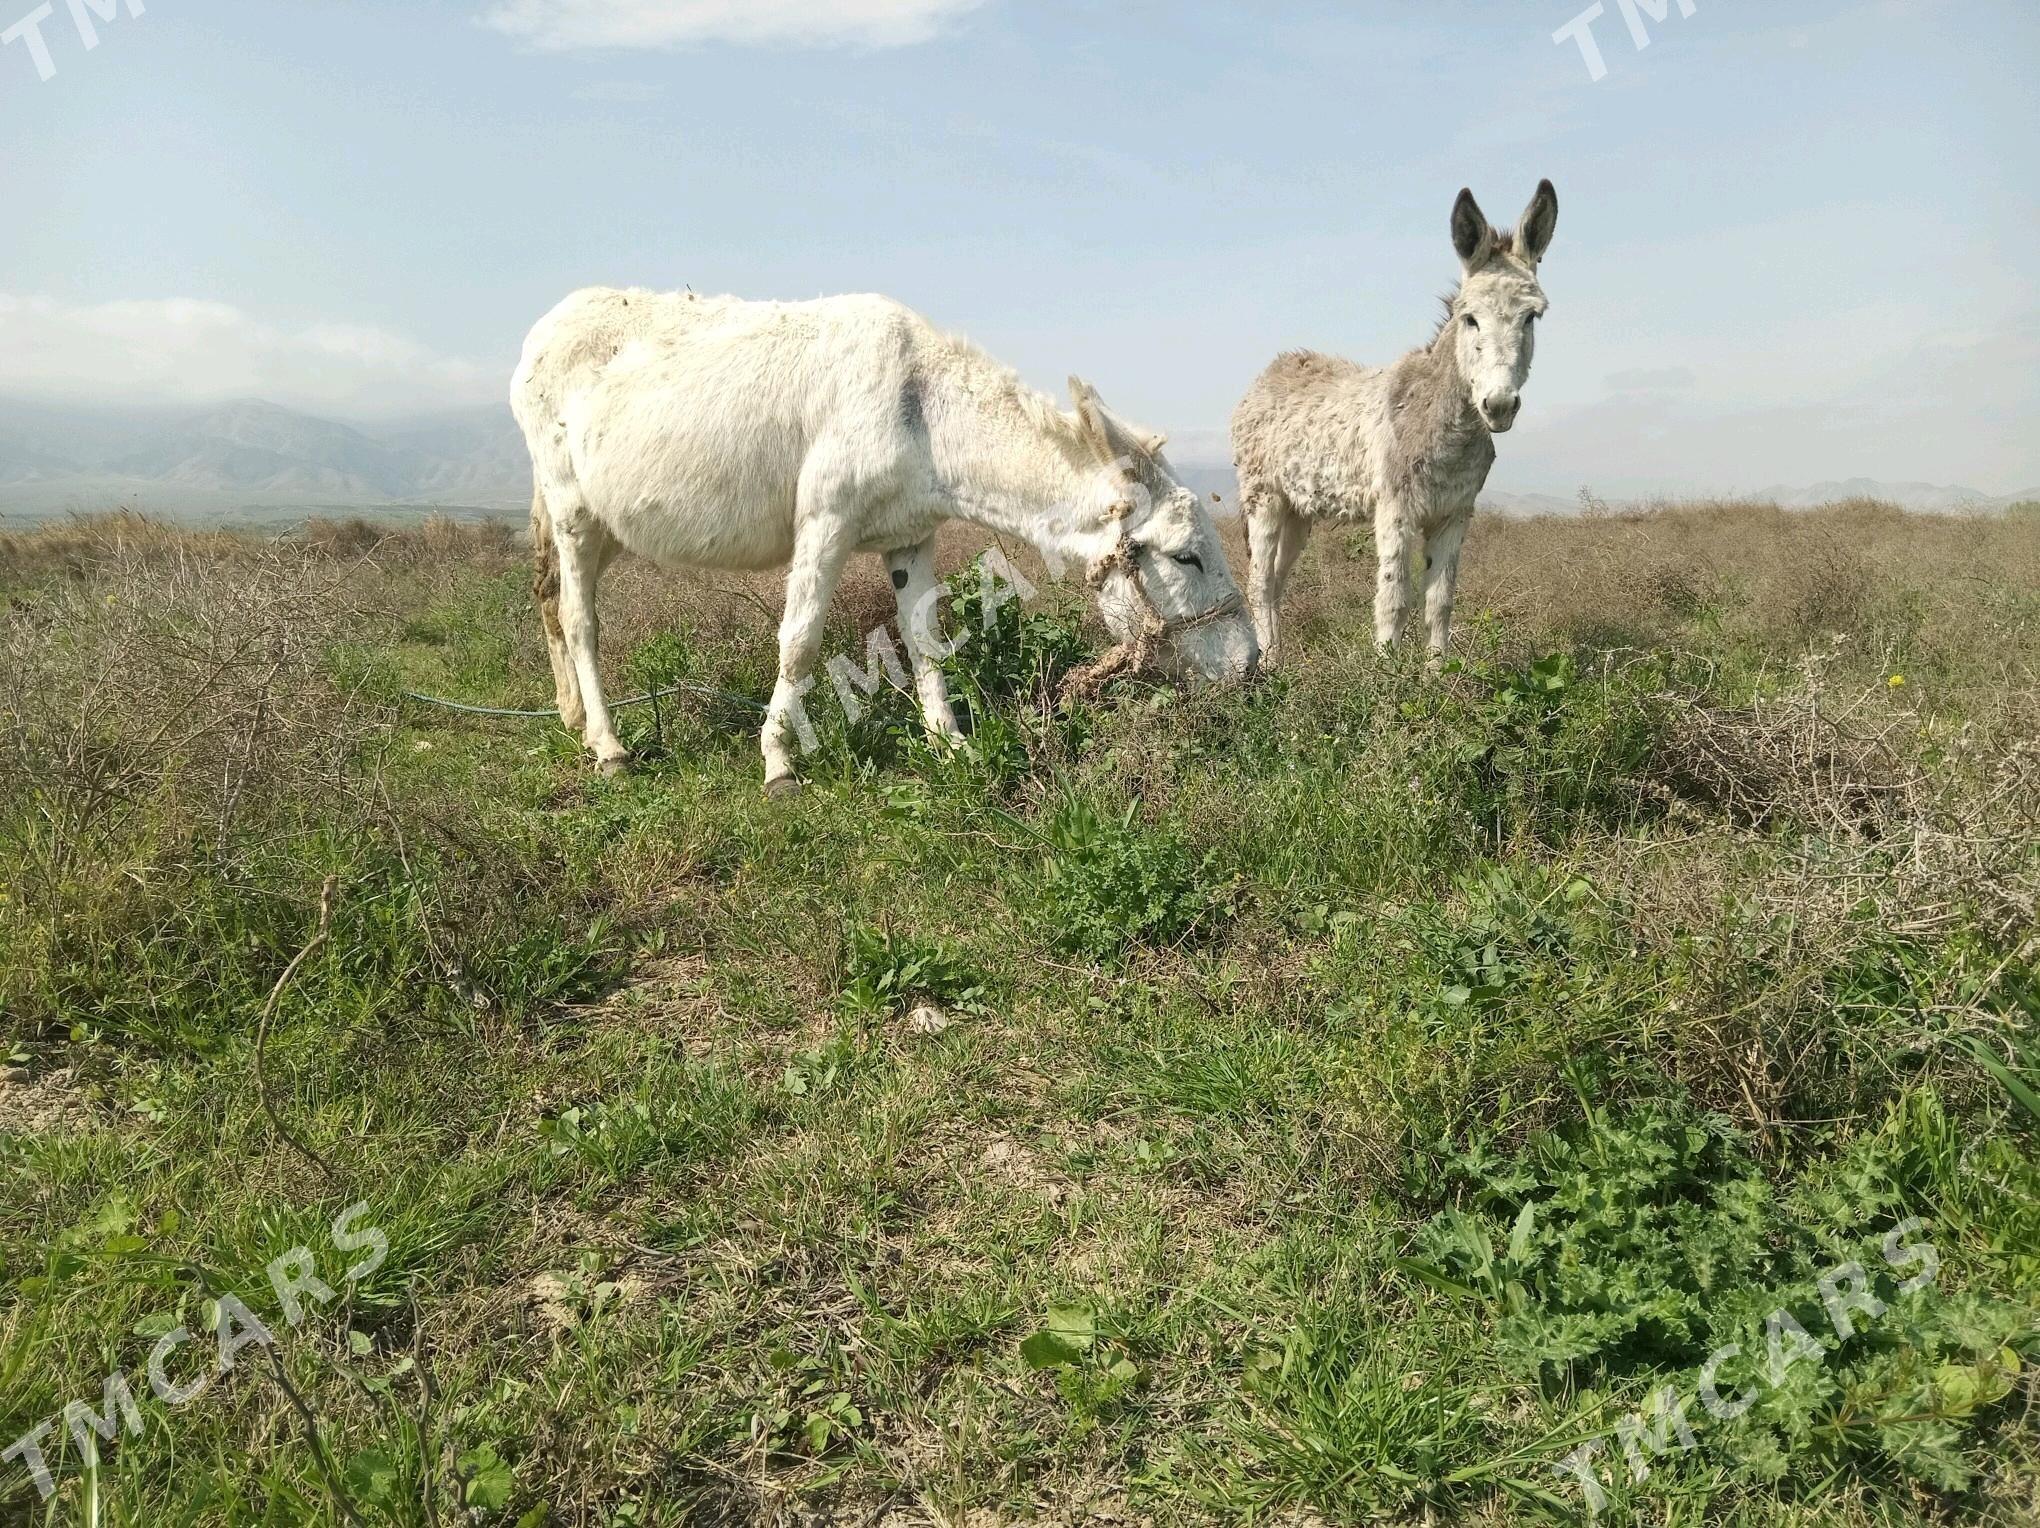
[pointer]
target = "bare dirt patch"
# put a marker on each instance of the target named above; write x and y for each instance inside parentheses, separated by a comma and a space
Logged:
(47, 1105)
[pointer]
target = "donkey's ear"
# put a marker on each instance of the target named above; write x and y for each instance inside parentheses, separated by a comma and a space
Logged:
(1154, 444)
(1091, 422)
(1540, 222)
(1473, 237)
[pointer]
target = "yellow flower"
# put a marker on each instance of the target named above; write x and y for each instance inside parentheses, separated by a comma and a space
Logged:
(1897, 681)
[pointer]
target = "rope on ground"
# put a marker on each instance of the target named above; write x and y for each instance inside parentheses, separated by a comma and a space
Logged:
(615, 705)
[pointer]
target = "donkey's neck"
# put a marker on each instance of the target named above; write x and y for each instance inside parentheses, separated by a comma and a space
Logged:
(1436, 434)
(1447, 412)
(1009, 461)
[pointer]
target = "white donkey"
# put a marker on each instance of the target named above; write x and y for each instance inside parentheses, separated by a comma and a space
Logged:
(710, 432)
(1319, 438)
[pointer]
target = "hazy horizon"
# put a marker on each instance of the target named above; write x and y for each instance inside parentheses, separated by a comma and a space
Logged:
(253, 462)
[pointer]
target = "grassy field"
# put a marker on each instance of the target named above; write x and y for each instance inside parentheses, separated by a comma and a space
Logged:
(1337, 1100)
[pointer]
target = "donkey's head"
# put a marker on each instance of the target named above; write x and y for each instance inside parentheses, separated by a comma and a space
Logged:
(1156, 560)
(1495, 312)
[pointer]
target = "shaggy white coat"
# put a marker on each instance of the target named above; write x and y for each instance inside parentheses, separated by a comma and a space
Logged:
(711, 432)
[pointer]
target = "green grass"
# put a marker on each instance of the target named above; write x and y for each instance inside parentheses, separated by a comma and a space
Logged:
(1359, 1093)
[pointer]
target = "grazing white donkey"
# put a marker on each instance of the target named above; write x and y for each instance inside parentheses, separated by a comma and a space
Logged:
(1319, 438)
(709, 432)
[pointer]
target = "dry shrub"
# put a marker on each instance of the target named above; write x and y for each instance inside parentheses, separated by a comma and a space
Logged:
(1794, 755)
(448, 539)
(1781, 577)
(1677, 589)
(1845, 900)
(76, 545)
(437, 538)
(171, 694)
(1931, 847)
(1826, 585)
(191, 743)
(352, 537)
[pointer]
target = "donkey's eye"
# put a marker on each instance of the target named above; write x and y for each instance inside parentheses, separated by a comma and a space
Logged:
(1472, 322)
(1188, 560)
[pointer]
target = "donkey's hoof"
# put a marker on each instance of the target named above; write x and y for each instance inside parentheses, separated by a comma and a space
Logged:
(613, 769)
(781, 788)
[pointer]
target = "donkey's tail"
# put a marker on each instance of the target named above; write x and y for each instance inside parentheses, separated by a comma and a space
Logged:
(545, 559)
(545, 594)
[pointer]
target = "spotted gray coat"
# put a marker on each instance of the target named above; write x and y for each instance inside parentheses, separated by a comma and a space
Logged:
(1407, 446)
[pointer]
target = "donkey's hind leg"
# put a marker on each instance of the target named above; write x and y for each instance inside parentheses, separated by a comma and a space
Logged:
(916, 593)
(822, 542)
(584, 548)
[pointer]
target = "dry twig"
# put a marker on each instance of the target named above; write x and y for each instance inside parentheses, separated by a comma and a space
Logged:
(317, 943)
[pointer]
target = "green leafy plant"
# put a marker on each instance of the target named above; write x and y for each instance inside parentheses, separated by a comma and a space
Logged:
(659, 663)
(1651, 1245)
(888, 971)
(486, 1479)
(608, 1137)
(1618, 1235)
(1092, 1370)
(1547, 744)
(1010, 650)
(820, 1069)
(679, 1112)
(1002, 659)
(815, 1411)
(1113, 883)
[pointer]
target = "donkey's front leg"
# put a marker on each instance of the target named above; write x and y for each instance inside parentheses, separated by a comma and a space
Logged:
(821, 545)
(918, 597)
(1441, 580)
(1265, 513)
(1395, 541)
(1275, 539)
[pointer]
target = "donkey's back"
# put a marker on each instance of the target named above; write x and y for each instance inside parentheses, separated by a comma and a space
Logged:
(1306, 432)
(683, 423)
(768, 356)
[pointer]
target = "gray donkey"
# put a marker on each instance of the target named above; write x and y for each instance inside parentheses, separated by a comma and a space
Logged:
(1319, 438)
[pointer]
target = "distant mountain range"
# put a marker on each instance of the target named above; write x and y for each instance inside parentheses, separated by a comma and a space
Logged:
(1923, 498)
(254, 460)
(1934, 497)
(263, 463)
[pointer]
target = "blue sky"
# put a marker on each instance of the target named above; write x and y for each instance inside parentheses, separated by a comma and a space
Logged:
(1797, 241)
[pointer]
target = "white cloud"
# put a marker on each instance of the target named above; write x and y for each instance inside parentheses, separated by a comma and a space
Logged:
(566, 24)
(181, 350)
